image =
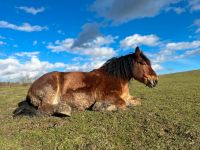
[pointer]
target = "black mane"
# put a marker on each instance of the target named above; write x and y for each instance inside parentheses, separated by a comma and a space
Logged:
(122, 67)
(144, 57)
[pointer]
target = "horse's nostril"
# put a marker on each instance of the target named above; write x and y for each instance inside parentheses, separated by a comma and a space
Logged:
(156, 81)
(151, 82)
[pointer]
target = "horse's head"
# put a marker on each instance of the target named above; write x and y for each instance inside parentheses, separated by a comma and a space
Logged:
(142, 70)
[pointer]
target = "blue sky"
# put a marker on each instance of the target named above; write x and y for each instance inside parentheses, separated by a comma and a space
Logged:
(41, 36)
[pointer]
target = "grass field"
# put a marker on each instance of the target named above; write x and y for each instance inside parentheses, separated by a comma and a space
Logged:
(169, 118)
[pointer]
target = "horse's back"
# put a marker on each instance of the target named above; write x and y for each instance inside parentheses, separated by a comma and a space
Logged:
(73, 81)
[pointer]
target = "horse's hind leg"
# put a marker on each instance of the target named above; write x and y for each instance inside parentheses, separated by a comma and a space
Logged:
(46, 109)
(63, 109)
(51, 103)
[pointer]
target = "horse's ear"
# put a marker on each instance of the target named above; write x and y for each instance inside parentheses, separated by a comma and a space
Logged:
(137, 51)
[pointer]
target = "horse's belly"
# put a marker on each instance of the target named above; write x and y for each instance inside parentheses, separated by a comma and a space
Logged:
(78, 100)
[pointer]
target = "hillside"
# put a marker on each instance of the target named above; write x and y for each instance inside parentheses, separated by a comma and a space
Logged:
(169, 118)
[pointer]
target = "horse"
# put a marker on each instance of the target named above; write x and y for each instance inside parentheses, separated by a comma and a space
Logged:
(105, 88)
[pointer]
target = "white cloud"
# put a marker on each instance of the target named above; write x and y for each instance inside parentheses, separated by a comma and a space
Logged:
(157, 67)
(35, 42)
(89, 42)
(168, 53)
(61, 46)
(178, 10)
(87, 66)
(99, 52)
(197, 24)
(27, 54)
(93, 49)
(61, 32)
(188, 53)
(194, 5)
(99, 41)
(2, 43)
(137, 40)
(174, 51)
(162, 56)
(77, 59)
(120, 11)
(182, 45)
(26, 27)
(31, 10)
(13, 70)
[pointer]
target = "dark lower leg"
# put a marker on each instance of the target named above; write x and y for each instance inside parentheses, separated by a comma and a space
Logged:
(46, 109)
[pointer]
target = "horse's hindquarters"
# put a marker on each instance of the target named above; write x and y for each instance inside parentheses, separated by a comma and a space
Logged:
(44, 93)
(53, 90)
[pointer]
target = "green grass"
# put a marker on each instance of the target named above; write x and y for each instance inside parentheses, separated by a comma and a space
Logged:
(169, 118)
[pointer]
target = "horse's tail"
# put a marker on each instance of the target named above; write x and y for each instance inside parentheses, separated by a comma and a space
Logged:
(25, 108)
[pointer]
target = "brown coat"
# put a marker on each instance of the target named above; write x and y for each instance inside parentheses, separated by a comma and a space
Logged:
(103, 88)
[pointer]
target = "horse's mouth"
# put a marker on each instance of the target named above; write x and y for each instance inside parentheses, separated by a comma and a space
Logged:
(151, 83)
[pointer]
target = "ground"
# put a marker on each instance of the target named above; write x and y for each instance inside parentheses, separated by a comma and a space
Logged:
(169, 118)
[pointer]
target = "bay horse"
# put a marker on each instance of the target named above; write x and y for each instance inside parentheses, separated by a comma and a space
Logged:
(105, 88)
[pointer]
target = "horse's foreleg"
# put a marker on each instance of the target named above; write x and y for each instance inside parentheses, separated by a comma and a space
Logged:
(101, 106)
(111, 103)
(133, 101)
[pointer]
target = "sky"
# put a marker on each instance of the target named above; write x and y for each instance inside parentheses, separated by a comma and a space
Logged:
(80, 35)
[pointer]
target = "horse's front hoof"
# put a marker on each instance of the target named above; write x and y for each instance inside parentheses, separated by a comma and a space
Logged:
(134, 102)
(63, 110)
(112, 108)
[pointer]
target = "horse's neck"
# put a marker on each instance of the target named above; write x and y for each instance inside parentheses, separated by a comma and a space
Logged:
(101, 72)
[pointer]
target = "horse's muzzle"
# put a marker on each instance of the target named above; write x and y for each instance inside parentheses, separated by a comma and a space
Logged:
(151, 83)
